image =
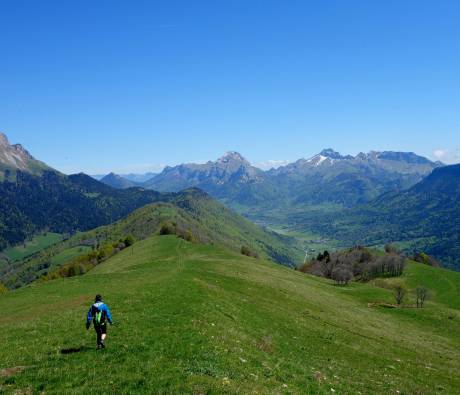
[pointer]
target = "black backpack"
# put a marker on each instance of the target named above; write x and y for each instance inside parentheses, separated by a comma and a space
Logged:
(98, 316)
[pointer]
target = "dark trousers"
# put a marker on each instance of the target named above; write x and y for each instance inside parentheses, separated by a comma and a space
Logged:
(100, 330)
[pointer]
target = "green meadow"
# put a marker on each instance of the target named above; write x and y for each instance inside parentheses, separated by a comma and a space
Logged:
(38, 243)
(199, 319)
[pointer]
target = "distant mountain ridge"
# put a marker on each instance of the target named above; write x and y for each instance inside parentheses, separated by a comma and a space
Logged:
(231, 178)
(137, 178)
(368, 198)
(325, 177)
(118, 182)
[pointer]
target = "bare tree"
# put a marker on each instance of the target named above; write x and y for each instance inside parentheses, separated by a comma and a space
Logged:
(422, 295)
(400, 293)
(342, 275)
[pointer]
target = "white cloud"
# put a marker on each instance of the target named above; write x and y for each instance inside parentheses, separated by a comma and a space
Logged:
(439, 153)
(448, 156)
(271, 164)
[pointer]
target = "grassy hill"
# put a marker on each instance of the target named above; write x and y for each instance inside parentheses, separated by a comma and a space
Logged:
(199, 319)
(425, 217)
(192, 214)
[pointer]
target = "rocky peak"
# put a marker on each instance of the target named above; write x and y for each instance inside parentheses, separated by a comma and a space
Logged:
(330, 153)
(21, 150)
(16, 157)
(4, 140)
(232, 156)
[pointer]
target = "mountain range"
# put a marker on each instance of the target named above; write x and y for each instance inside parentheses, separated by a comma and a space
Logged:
(50, 201)
(327, 177)
(371, 198)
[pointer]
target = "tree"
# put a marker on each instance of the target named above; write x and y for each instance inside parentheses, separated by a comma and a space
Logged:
(422, 295)
(245, 250)
(400, 293)
(341, 275)
(391, 249)
(129, 240)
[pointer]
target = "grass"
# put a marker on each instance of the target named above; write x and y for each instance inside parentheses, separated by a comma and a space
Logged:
(38, 243)
(205, 219)
(69, 254)
(444, 285)
(197, 319)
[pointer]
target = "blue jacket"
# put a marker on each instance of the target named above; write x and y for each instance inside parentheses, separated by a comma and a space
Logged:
(95, 307)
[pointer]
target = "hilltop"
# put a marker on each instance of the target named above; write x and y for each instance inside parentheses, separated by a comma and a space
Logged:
(191, 214)
(194, 318)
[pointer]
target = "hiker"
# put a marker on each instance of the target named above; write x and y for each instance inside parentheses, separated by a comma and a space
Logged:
(99, 313)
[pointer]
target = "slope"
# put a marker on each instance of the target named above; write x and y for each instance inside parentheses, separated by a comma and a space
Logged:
(199, 319)
(62, 204)
(191, 214)
(425, 217)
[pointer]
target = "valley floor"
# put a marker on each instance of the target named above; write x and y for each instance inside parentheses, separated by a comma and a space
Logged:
(196, 319)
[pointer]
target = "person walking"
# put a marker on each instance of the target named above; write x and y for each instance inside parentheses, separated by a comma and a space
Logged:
(99, 313)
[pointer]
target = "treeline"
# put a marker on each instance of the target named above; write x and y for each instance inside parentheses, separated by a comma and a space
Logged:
(357, 263)
(84, 263)
(62, 204)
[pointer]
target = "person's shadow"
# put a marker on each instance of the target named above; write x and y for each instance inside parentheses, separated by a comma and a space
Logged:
(73, 350)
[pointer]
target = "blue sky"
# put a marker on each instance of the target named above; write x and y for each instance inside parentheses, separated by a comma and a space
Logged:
(133, 85)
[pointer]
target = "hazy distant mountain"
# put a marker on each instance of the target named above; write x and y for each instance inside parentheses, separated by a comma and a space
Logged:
(231, 178)
(349, 180)
(134, 177)
(15, 158)
(118, 182)
(325, 177)
(138, 178)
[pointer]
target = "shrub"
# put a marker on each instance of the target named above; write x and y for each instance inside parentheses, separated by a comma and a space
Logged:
(84, 263)
(3, 289)
(129, 240)
(186, 235)
(245, 250)
(167, 228)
